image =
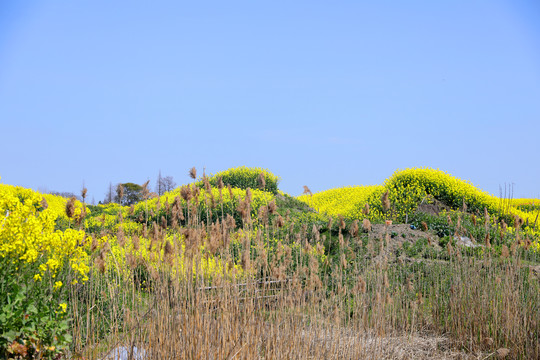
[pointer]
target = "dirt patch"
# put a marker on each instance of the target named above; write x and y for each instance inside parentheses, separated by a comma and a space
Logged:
(535, 271)
(345, 344)
(398, 234)
(432, 208)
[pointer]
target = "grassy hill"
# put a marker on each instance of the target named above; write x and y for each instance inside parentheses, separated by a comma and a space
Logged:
(229, 265)
(407, 189)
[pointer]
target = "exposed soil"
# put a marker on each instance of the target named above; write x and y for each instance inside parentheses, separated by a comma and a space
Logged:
(397, 234)
(535, 271)
(411, 346)
(433, 208)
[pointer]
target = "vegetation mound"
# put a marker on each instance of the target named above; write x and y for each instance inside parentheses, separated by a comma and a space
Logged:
(245, 177)
(409, 188)
(241, 257)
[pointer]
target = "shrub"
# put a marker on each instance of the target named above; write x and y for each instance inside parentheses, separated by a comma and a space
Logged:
(246, 177)
(347, 201)
(33, 320)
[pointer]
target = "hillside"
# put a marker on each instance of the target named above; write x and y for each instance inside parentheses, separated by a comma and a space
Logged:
(240, 256)
(409, 188)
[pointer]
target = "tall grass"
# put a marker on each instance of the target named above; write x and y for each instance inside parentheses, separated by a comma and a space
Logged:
(293, 299)
(226, 274)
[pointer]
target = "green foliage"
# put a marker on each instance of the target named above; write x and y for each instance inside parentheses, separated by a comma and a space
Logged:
(293, 241)
(407, 189)
(529, 208)
(211, 205)
(287, 202)
(443, 241)
(436, 224)
(416, 249)
(133, 193)
(33, 321)
(246, 177)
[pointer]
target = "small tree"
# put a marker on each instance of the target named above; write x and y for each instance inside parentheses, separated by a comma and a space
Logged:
(109, 195)
(159, 184)
(164, 184)
(168, 183)
(130, 194)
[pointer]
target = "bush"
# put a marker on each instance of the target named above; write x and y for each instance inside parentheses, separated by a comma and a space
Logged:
(210, 204)
(245, 177)
(437, 224)
(33, 319)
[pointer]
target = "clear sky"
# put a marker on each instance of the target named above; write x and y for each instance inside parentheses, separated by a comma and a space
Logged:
(322, 93)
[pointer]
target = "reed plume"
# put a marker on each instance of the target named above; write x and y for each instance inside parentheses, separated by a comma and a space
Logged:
(341, 223)
(353, 230)
(120, 236)
(185, 192)
(385, 201)
(220, 183)
(206, 183)
(261, 181)
(193, 173)
(145, 191)
(504, 251)
(365, 210)
(120, 192)
(136, 242)
(272, 208)
(70, 207)
(229, 188)
(366, 225)
(280, 222)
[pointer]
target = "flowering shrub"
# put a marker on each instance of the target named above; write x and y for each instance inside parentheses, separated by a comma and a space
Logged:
(408, 188)
(152, 255)
(209, 204)
(54, 205)
(246, 177)
(416, 184)
(34, 320)
(346, 201)
(35, 262)
(27, 235)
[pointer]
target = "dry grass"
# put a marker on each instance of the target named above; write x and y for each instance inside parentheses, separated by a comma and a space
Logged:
(291, 302)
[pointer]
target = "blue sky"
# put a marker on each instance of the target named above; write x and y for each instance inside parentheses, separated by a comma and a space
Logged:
(324, 94)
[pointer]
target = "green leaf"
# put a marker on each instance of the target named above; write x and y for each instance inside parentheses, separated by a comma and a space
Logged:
(10, 336)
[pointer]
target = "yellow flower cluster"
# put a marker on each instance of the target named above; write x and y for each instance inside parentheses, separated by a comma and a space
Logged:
(153, 256)
(27, 234)
(247, 177)
(523, 201)
(205, 200)
(407, 189)
(53, 204)
(110, 222)
(346, 201)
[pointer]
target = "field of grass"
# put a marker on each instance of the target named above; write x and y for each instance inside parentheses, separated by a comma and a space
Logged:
(230, 267)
